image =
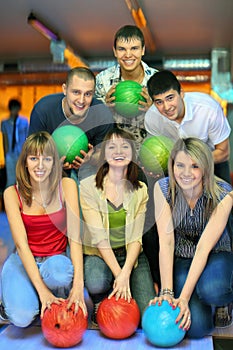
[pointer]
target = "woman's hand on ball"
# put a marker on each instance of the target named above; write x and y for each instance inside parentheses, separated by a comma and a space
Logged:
(121, 287)
(184, 315)
(47, 299)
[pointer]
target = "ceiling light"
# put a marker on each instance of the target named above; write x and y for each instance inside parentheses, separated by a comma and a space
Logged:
(141, 22)
(42, 28)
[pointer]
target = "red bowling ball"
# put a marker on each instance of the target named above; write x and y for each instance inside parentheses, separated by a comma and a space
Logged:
(61, 327)
(118, 319)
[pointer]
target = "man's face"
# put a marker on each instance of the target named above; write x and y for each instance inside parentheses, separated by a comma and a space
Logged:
(129, 53)
(79, 94)
(170, 104)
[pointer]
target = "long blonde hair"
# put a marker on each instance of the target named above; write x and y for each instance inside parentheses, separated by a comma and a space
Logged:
(37, 144)
(200, 153)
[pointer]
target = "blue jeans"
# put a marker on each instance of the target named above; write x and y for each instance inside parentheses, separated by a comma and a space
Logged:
(99, 279)
(214, 288)
(20, 299)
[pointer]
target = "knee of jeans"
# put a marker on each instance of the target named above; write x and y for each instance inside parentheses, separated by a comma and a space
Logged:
(211, 293)
(97, 286)
(57, 271)
(200, 329)
(22, 318)
(202, 322)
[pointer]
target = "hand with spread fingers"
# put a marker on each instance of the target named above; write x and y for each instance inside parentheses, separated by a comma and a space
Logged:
(76, 297)
(47, 300)
(184, 315)
(121, 288)
(145, 105)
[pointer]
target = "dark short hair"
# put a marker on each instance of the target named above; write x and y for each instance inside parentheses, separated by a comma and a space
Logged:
(13, 103)
(129, 32)
(82, 72)
(161, 82)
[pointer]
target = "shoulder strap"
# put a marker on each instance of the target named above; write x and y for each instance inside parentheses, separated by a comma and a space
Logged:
(20, 200)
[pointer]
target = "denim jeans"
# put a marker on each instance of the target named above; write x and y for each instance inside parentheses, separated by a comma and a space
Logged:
(99, 279)
(20, 299)
(214, 288)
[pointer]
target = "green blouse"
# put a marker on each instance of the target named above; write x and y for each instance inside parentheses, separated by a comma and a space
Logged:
(117, 219)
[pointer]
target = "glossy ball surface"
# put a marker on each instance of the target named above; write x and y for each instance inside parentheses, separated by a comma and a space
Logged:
(159, 325)
(70, 140)
(118, 319)
(63, 328)
(127, 95)
(154, 154)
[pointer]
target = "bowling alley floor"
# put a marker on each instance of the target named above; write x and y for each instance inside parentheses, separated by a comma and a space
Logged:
(31, 338)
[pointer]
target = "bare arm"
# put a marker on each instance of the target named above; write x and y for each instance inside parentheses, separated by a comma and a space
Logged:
(70, 192)
(221, 152)
(163, 217)
(121, 285)
(20, 239)
(208, 240)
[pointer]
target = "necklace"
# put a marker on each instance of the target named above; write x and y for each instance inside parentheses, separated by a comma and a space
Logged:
(41, 204)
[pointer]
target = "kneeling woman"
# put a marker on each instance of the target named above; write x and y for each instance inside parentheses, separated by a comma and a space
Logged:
(43, 213)
(192, 207)
(113, 204)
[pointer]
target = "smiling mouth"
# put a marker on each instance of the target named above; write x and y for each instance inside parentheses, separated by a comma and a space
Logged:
(119, 158)
(128, 62)
(40, 173)
(186, 180)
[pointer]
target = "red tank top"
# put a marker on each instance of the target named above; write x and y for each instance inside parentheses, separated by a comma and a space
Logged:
(46, 233)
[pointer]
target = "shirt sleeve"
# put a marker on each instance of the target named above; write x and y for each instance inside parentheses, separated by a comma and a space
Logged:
(136, 216)
(94, 218)
(36, 121)
(219, 129)
(100, 91)
(151, 122)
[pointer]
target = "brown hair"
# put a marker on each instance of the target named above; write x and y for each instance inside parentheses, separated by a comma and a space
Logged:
(132, 173)
(37, 144)
(82, 72)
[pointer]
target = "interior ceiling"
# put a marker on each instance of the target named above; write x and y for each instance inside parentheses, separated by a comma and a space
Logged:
(179, 27)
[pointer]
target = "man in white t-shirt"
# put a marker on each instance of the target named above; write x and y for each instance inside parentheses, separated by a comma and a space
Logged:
(176, 114)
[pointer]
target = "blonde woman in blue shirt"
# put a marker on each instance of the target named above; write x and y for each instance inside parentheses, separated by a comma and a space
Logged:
(192, 207)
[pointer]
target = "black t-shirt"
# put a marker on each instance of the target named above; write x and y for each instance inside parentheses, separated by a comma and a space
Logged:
(47, 115)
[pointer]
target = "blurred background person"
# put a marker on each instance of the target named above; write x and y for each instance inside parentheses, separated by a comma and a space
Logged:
(14, 130)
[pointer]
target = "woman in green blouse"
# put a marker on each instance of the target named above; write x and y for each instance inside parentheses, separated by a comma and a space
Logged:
(113, 203)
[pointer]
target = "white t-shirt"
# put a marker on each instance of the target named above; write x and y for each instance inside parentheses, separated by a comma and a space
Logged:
(203, 119)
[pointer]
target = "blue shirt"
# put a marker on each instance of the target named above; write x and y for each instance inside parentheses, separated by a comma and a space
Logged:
(190, 223)
(20, 133)
(47, 115)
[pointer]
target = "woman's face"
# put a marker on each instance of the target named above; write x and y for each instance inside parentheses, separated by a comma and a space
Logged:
(187, 173)
(118, 152)
(39, 167)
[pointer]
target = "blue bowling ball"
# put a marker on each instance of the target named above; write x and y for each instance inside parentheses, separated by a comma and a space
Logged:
(159, 325)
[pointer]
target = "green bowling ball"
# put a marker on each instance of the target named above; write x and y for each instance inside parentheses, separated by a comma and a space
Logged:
(70, 140)
(154, 154)
(127, 95)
